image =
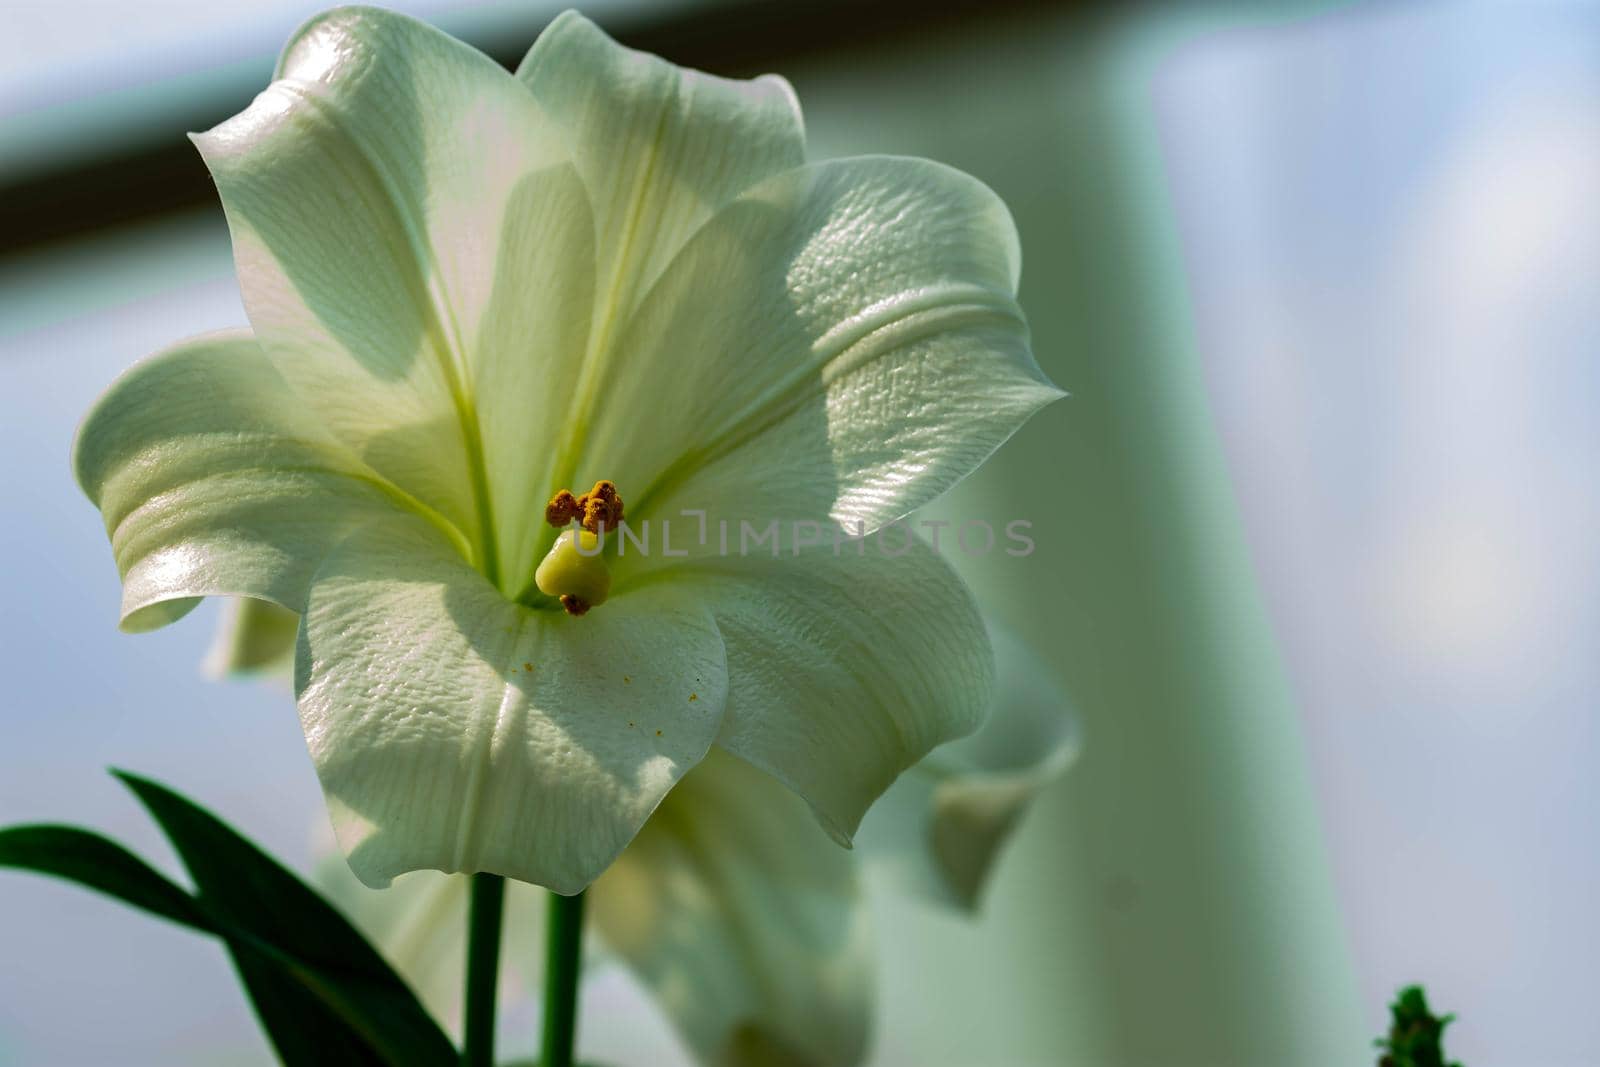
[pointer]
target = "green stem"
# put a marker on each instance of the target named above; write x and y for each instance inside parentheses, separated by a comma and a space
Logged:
(562, 963)
(483, 968)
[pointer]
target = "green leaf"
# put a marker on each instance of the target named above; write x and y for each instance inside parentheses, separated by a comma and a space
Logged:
(1416, 1036)
(279, 928)
(322, 994)
(302, 1027)
(101, 864)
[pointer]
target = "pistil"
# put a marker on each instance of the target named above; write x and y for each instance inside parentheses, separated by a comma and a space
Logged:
(574, 571)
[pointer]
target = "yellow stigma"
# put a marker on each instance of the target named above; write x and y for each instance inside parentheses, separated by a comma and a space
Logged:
(574, 572)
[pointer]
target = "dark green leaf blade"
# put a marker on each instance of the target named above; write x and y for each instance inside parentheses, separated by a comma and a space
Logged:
(285, 921)
(1416, 1034)
(303, 1029)
(101, 864)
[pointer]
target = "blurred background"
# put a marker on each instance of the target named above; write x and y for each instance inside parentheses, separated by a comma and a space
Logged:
(1317, 531)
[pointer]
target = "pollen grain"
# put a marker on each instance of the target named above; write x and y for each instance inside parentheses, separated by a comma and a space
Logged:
(598, 509)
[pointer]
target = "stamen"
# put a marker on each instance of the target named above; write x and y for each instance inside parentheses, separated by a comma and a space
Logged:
(573, 571)
(562, 509)
(599, 508)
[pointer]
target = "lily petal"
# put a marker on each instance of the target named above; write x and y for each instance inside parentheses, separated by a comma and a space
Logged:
(939, 829)
(212, 479)
(841, 342)
(366, 190)
(524, 366)
(746, 921)
(456, 730)
(659, 147)
(844, 670)
(253, 636)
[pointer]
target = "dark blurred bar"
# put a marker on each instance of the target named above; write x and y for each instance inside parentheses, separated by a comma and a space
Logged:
(154, 169)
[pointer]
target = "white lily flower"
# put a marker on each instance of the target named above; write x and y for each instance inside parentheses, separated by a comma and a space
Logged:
(470, 292)
(742, 918)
